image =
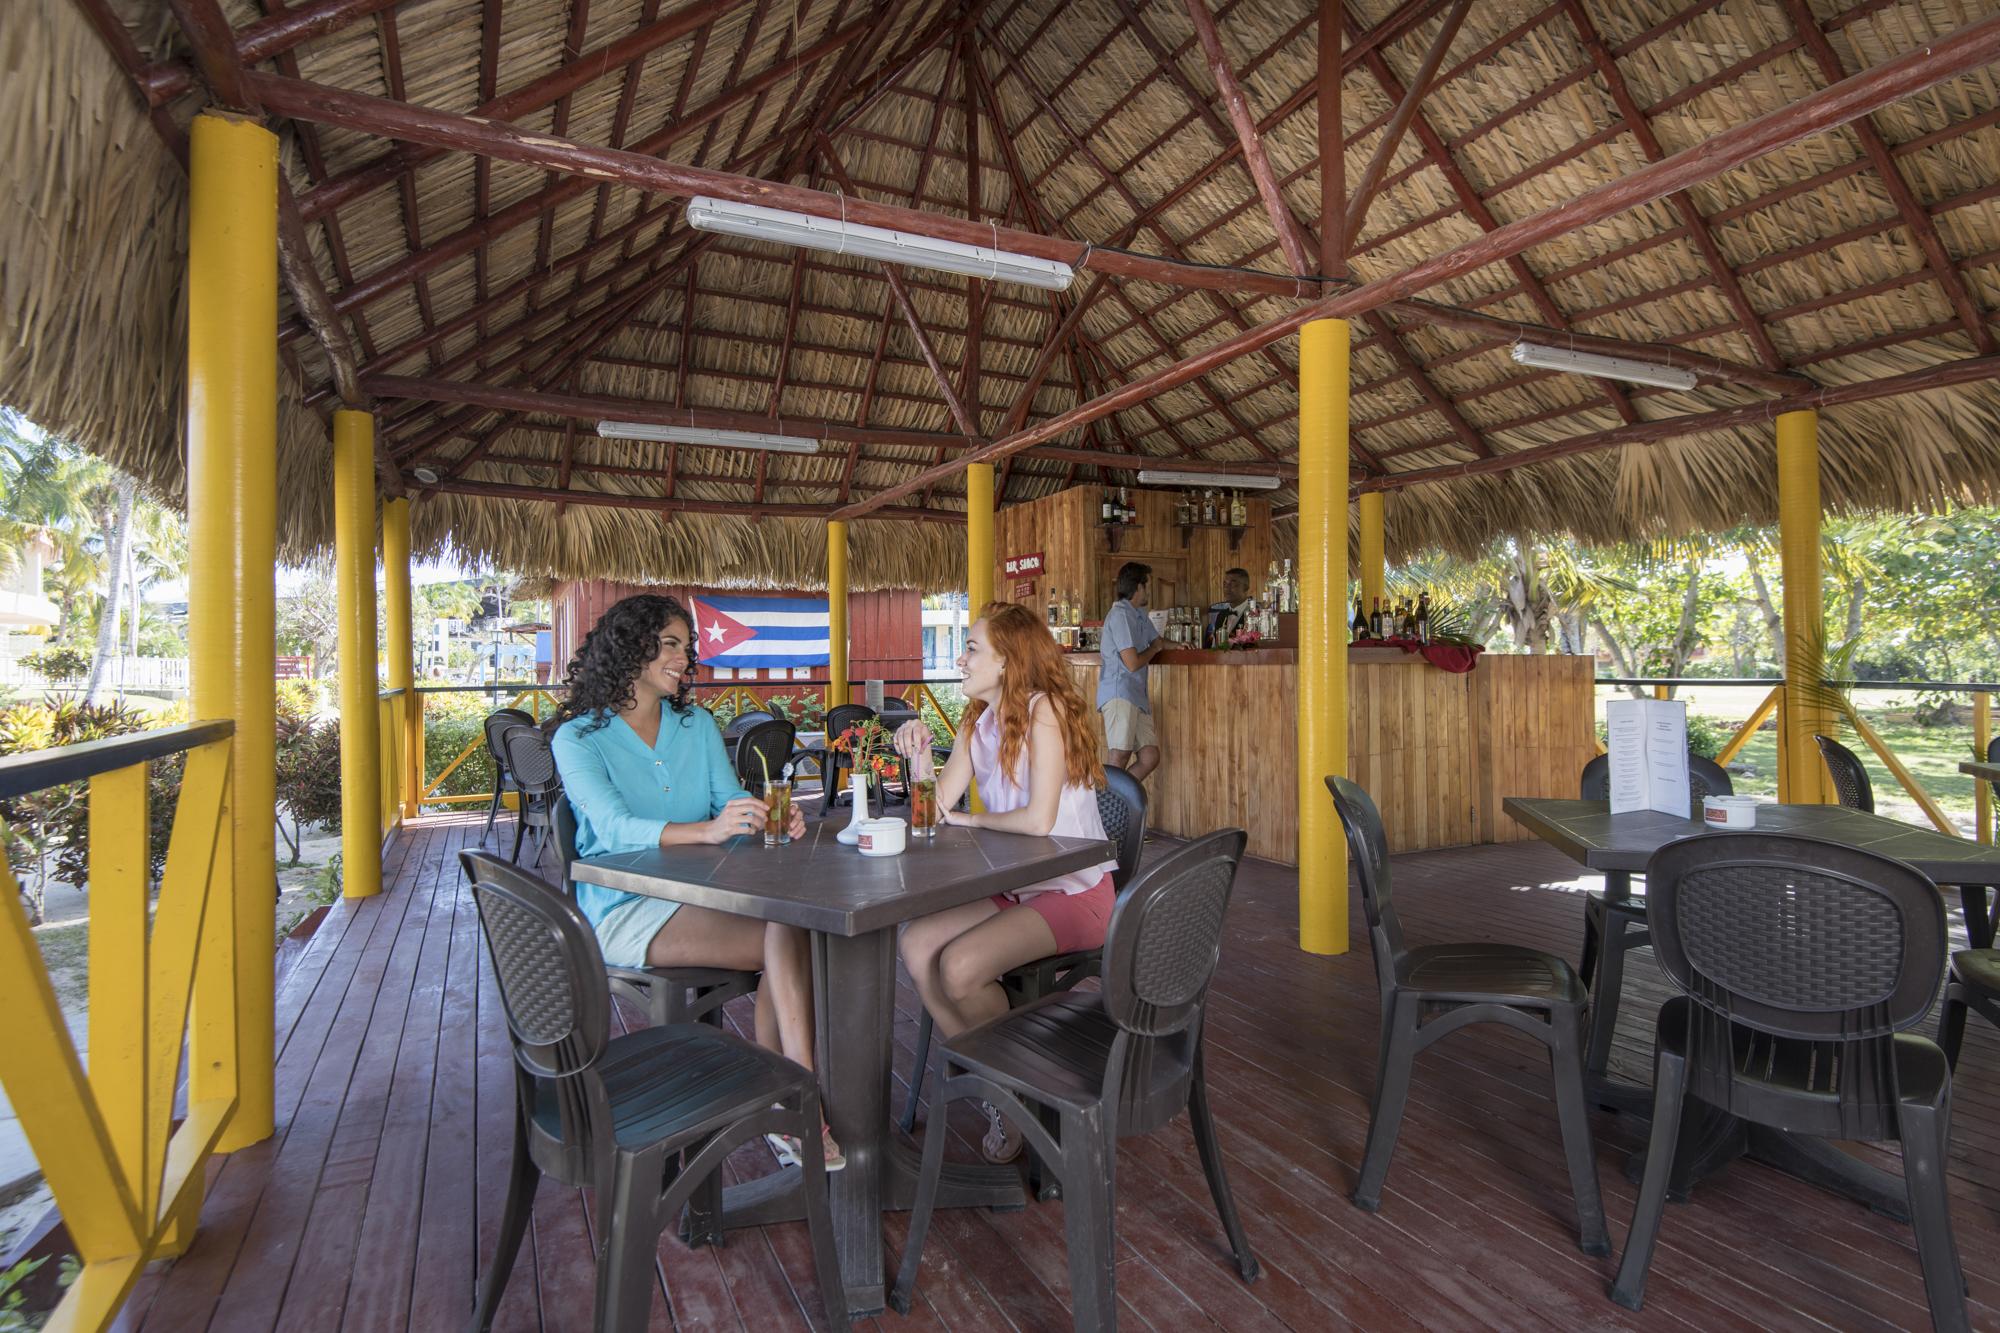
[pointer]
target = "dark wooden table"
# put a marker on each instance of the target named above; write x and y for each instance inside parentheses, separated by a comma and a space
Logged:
(1984, 772)
(1620, 845)
(853, 905)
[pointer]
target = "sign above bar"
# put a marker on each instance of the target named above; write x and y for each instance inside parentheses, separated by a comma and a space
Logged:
(1024, 565)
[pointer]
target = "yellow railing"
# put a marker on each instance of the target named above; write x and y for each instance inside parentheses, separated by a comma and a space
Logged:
(127, 1180)
(534, 698)
(388, 715)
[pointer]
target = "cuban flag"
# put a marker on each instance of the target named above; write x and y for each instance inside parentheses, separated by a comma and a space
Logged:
(752, 632)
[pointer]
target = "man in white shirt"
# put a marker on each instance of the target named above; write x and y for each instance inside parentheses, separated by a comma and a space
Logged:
(1232, 613)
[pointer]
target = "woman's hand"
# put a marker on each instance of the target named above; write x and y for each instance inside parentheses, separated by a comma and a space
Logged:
(740, 816)
(913, 742)
(962, 818)
(797, 825)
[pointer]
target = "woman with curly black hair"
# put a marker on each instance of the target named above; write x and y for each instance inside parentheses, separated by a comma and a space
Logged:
(643, 767)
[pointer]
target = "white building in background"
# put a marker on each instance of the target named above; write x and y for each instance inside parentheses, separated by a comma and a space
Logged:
(22, 605)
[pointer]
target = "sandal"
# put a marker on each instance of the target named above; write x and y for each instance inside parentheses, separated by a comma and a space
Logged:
(787, 1149)
(1003, 1141)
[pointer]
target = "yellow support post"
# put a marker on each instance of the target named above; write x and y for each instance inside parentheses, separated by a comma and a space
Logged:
(119, 975)
(232, 428)
(979, 563)
(1322, 653)
(1374, 566)
(1982, 737)
(836, 613)
(397, 602)
(1663, 691)
(1806, 711)
(354, 575)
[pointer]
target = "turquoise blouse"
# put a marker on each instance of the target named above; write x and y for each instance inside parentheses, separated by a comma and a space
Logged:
(625, 792)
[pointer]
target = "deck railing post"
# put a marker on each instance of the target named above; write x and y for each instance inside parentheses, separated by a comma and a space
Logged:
(400, 628)
(354, 572)
(836, 613)
(1806, 708)
(1322, 652)
(232, 435)
(1982, 792)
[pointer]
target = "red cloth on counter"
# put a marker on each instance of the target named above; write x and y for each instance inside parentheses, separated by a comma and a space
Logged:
(1444, 656)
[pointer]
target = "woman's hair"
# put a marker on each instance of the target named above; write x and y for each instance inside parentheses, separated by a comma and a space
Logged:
(1035, 666)
(616, 650)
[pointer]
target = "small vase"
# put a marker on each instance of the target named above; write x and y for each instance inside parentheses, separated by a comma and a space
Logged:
(857, 786)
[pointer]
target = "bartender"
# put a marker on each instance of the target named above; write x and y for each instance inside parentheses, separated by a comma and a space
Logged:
(1232, 613)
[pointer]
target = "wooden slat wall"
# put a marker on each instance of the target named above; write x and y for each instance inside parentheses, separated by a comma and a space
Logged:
(885, 631)
(1067, 530)
(1437, 751)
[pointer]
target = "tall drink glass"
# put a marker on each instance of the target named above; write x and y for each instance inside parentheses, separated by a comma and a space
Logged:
(924, 808)
(778, 812)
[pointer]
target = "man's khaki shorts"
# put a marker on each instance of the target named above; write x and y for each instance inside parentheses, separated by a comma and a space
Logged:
(1128, 726)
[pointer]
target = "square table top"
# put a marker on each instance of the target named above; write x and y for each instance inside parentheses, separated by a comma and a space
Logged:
(1988, 772)
(818, 883)
(1589, 833)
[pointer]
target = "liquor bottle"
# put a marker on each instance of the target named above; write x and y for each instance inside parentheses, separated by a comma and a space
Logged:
(1375, 625)
(1423, 617)
(1238, 515)
(1126, 513)
(1208, 507)
(1181, 509)
(1290, 596)
(1360, 622)
(1399, 618)
(1105, 510)
(1054, 609)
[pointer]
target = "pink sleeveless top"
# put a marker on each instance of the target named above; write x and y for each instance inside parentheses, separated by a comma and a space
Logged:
(1076, 812)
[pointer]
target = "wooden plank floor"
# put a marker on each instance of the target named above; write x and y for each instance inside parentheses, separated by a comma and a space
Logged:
(374, 1205)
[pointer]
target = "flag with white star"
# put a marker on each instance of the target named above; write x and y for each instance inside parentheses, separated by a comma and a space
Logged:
(752, 632)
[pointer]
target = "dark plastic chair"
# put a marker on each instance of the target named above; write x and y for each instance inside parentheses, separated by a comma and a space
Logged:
(667, 994)
(1850, 778)
(1613, 927)
(496, 722)
(644, 1119)
(531, 763)
(1113, 1063)
(742, 722)
(830, 761)
(1434, 990)
(1974, 982)
(1804, 965)
(1121, 803)
(770, 740)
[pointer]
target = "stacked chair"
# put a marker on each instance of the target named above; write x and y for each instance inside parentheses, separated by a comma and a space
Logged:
(497, 722)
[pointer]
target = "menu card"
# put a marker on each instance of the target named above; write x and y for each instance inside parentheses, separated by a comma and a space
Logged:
(1646, 743)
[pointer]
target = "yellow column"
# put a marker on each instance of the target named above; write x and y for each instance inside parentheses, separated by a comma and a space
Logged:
(354, 575)
(1322, 652)
(232, 430)
(1806, 712)
(836, 613)
(979, 565)
(1982, 736)
(1374, 569)
(401, 633)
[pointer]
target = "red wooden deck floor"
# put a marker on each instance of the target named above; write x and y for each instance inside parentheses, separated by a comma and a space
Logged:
(373, 1206)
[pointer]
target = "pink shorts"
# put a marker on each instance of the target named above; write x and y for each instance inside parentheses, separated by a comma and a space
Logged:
(1077, 920)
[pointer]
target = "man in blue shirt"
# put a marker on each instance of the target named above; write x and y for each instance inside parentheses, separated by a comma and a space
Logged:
(1127, 644)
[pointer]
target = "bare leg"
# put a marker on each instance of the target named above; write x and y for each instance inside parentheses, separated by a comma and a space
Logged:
(788, 984)
(701, 937)
(1118, 759)
(1143, 766)
(923, 945)
(971, 964)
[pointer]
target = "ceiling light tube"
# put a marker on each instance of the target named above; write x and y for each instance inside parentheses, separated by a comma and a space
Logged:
(758, 223)
(1604, 367)
(1226, 480)
(721, 439)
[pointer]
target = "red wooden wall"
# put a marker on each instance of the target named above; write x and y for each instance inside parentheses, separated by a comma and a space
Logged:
(885, 630)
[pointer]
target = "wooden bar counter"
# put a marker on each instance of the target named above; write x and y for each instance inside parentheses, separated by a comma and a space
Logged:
(1437, 750)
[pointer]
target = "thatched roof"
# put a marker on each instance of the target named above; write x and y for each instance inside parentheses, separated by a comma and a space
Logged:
(1813, 258)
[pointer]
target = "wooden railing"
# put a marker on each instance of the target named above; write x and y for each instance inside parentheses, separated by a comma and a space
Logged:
(1982, 693)
(389, 753)
(127, 1180)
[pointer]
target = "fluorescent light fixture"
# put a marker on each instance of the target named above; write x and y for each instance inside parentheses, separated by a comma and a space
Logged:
(721, 439)
(1226, 480)
(428, 476)
(1604, 367)
(892, 247)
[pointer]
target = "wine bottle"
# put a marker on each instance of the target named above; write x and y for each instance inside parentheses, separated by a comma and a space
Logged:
(1360, 622)
(1375, 621)
(1423, 617)
(1104, 510)
(1238, 515)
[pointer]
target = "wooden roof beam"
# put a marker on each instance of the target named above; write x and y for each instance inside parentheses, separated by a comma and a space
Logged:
(1392, 137)
(267, 38)
(1969, 47)
(1949, 279)
(493, 490)
(1967, 371)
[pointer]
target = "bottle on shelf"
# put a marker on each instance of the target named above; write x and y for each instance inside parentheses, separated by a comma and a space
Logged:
(1423, 617)
(1289, 597)
(1131, 515)
(1238, 515)
(1360, 622)
(1208, 508)
(1375, 625)
(1053, 609)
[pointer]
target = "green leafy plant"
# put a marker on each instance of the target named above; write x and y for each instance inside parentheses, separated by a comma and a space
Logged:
(451, 722)
(57, 663)
(308, 776)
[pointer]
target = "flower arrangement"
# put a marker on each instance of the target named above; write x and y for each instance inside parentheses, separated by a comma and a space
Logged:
(870, 747)
(1244, 639)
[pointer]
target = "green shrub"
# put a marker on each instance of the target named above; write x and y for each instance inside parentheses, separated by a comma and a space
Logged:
(308, 773)
(1707, 735)
(451, 722)
(57, 663)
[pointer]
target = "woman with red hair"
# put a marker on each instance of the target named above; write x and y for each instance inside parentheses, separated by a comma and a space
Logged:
(1030, 739)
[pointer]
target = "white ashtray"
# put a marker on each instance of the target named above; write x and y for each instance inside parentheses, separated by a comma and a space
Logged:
(882, 837)
(1733, 812)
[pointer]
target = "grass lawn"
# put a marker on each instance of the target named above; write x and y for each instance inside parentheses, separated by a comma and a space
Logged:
(1931, 754)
